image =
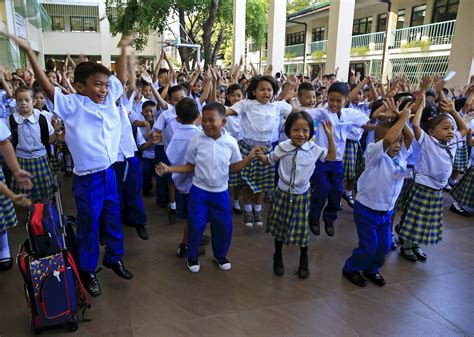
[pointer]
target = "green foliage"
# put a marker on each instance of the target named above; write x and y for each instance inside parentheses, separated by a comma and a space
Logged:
(294, 6)
(290, 55)
(424, 45)
(360, 51)
(318, 54)
(256, 22)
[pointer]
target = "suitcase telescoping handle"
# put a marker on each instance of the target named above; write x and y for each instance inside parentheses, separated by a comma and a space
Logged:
(59, 208)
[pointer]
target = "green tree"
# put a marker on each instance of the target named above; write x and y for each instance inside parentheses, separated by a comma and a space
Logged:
(256, 21)
(294, 6)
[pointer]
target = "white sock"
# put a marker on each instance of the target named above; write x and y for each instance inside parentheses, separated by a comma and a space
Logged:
(257, 208)
(248, 208)
(348, 192)
(452, 181)
(236, 204)
(4, 248)
(457, 205)
(173, 205)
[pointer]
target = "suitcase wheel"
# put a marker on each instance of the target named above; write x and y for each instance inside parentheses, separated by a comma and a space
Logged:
(71, 326)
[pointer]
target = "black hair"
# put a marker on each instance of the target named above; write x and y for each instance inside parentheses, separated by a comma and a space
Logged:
(325, 77)
(294, 116)
(331, 75)
(221, 89)
(174, 89)
(84, 70)
(377, 104)
(139, 84)
(23, 88)
(431, 122)
(459, 103)
(305, 86)
(339, 87)
(146, 84)
(431, 93)
(382, 128)
(163, 71)
(230, 91)
(37, 90)
(217, 107)
(50, 64)
(187, 110)
(147, 104)
(403, 98)
(254, 84)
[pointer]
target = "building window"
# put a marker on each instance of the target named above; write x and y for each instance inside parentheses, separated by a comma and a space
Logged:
(401, 19)
(445, 10)
(83, 24)
(418, 15)
(57, 23)
(294, 38)
(318, 34)
(362, 26)
(381, 22)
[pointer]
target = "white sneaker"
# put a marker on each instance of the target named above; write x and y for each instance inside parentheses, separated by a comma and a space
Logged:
(223, 263)
(258, 217)
(193, 266)
(248, 219)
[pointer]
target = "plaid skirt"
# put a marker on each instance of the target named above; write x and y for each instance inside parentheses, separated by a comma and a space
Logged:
(406, 190)
(463, 191)
(422, 217)
(349, 159)
(42, 178)
(257, 176)
(461, 159)
(7, 211)
(235, 179)
(288, 219)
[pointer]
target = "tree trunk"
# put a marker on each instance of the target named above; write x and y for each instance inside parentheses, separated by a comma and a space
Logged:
(217, 47)
(207, 33)
(183, 52)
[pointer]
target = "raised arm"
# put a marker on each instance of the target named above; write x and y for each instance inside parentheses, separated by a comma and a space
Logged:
(159, 100)
(416, 120)
(353, 93)
(5, 84)
(157, 67)
(399, 127)
(171, 67)
(121, 66)
(448, 106)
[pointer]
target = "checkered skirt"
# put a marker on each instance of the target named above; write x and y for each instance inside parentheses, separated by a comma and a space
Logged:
(406, 190)
(257, 176)
(7, 212)
(463, 191)
(288, 219)
(422, 217)
(349, 160)
(235, 179)
(461, 158)
(42, 178)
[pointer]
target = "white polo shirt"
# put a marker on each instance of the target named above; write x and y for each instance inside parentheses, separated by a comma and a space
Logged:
(92, 129)
(4, 131)
(127, 146)
(165, 118)
(382, 180)
(29, 135)
(305, 159)
(350, 118)
(260, 120)
(212, 158)
(364, 110)
(176, 152)
(435, 160)
(233, 126)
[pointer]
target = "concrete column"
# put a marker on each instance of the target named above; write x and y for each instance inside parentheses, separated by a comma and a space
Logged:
(461, 59)
(341, 17)
(392, 18)
(104, 36)
(276, 34)
(238, 46)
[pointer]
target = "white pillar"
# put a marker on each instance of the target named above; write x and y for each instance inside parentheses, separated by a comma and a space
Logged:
(341, 16)
(105, 36)
(461, 59)
(276, 34)
(392, 26)
(238, 46)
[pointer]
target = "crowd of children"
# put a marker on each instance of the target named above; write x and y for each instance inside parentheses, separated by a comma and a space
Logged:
(303, 142)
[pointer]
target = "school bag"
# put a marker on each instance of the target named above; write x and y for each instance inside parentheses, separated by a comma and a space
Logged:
(53, 287)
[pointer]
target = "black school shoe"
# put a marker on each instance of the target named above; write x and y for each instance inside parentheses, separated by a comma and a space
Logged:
(460, 211)
(91, 284)
(355, 278)
(119, 269)
(183, 250)
(6, 264)
(375, 278)
(172, 216)
(348, 199)
(278, 267)
(314, 226)
(420, 254)
(329, 228)
(142, 232)
(408, 254)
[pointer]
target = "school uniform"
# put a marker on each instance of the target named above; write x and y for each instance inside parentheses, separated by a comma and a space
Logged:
(93, 136)
(378, 189)
(148, 162)
(209, 195)
(176, 152)
(422, 218)
(233, 126)
(128, 173)
(463, 191)
(288, 219)
(7, 211)
(259, 122)
(409, 180)
(32, 156)
(326, 181)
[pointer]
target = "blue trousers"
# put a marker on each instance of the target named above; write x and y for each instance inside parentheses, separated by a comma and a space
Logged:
(162, 182)
(97, 203)
(148, 169)
(375, 239)
(205, 205)
(129, 190)
(326, 184)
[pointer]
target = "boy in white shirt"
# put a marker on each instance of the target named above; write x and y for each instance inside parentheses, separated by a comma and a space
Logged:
(92, 124)
(210, 155)
(378, 190)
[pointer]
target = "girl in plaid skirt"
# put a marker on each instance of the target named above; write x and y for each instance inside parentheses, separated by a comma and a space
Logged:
(288, 219)
(422, 218)
(28, 137)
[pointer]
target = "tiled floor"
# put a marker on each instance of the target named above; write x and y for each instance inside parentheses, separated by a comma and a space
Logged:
(435, 298)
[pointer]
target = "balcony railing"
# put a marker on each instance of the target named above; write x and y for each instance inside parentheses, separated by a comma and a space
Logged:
(296, 50)
(318, 45)
(373, 41)
(435, 33)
